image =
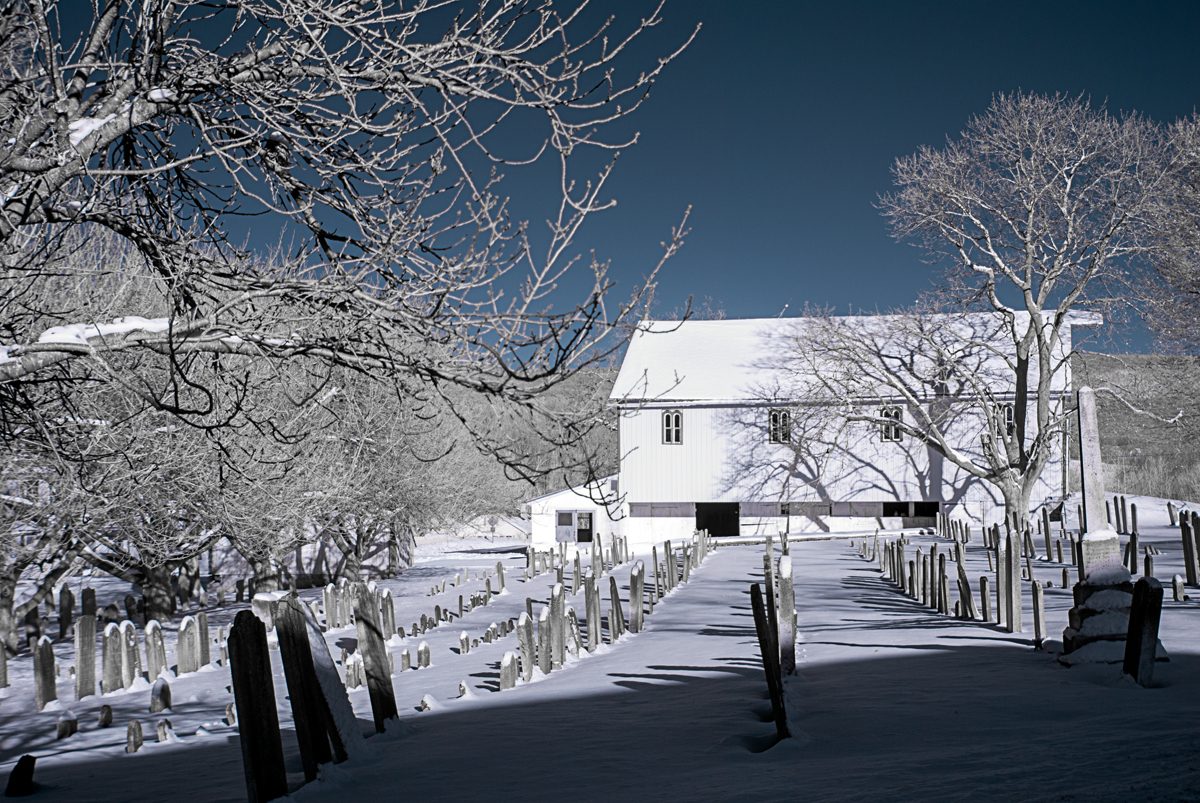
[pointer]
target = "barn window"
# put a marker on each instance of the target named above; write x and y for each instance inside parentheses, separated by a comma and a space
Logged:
(779, 426)
(672, 425)
(889, 428)
(1006, 417)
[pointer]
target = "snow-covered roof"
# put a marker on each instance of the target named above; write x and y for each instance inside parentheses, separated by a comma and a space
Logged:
(730, 360)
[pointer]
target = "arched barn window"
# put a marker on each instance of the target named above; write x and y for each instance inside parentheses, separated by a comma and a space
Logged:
(779, 426)
(1006, 418)
(672, 425)
(889, 430)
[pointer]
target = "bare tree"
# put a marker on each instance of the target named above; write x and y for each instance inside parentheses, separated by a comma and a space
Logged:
(1041, 207)
(374, 140)
(917, 398)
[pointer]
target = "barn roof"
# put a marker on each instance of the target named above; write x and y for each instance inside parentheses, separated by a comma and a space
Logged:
(731, 360)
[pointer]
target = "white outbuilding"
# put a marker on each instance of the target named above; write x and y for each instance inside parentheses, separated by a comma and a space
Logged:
(575, 515)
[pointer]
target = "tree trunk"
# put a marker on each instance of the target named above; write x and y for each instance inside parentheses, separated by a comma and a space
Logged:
(268, 574)
(8, 621)
(156, 591)
(1016, 502)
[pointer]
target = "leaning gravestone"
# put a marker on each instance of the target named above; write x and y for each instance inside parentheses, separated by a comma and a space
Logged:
(1099, 620)
(375, 658)
(317, 732)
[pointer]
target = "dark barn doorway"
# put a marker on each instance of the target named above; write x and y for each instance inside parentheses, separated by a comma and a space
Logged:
(719, 518)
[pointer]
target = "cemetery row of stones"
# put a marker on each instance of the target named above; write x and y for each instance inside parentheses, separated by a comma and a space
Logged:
(122, 646)
(925, 578)
(321, 710)
(123, 668)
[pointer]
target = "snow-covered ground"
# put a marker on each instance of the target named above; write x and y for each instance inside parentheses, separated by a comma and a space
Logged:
(890, 700)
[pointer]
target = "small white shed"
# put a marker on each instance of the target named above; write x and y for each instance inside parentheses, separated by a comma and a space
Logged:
(576, 515)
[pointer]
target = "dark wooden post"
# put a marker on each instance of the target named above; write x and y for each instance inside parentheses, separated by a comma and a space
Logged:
(770, 657)
(375, 659)
(258, 722)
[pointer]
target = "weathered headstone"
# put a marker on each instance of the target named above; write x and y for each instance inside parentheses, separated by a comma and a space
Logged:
(1141, 643)
(545, 647)
(375, 661)
(88, 602)
(508, 671)
(203, 639)
(20, 780)
(616, 620)
(156, 649)
(85, 657)
(187, 647)
(45, 683)
(66, 612)
(133, 737)
(254, 696)
(67, 726)
(525, 640)
(131, 661)
(787, 616)
(113, 646)
(558, 621)
(424, 657)
(160, 696)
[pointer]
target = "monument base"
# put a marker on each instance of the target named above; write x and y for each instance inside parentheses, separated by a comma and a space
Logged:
(1099, 622)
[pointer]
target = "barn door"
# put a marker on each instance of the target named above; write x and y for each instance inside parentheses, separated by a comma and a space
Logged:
(564, 526)
(583, 528)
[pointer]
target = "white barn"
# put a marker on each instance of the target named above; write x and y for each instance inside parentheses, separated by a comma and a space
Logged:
(714, 435)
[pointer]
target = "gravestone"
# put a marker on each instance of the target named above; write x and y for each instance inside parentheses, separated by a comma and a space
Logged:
(113, 648)
(85, 657)
(1141, 643)
(45, 684)
(508, 671)
(20, 780)
(160, 696)
(133, 737)
(545, 648)
(66, 612)
(525, 640)
(131, 660)
(254, 696)
(203, 638)
(558, 621)
(787, 616)
(105, 717)
(187, 647)
(88, 604)
(316, 733)
(1099, 620)
(375, 660)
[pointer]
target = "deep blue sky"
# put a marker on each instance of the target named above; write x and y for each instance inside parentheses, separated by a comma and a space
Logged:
(779, 125)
